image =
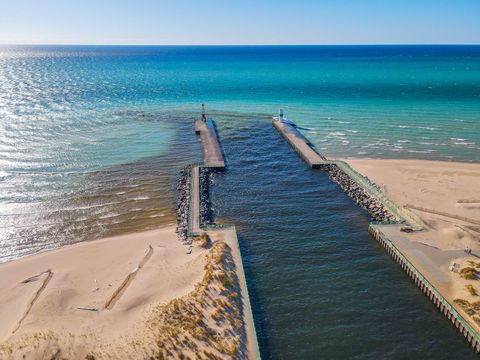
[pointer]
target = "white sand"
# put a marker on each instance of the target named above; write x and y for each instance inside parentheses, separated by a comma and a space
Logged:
(451, 188)
(86, 275)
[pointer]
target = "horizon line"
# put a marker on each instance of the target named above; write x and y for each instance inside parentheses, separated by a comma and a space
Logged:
(239, 45)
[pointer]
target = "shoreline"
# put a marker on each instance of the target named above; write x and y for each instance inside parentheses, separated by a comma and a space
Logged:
(442, 195)
(35, 265)
(426, 238)
(348, 158)
(201, 309)
(103, 297)
(120, 270)
(56, 248)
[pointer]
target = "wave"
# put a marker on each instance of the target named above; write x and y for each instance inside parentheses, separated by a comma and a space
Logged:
(336, 133)
(463, 143)
(156, 215)
(420, 151)
(141, 198)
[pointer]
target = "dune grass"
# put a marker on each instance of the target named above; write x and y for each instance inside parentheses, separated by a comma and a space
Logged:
(207, 323)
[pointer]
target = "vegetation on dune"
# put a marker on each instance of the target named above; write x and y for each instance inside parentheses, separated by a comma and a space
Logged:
(203, 240)
(471, 308)
(469, 273)
(471, 290)
(207, 323)
(473, 263)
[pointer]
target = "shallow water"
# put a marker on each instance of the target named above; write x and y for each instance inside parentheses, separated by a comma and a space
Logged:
(91, 137)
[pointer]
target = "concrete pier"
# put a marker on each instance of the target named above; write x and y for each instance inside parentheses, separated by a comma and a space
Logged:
(305, 150)
(300, 144)
(229, 235)
(194, 221)
(213, 158)
(422, 264)
(212, 152)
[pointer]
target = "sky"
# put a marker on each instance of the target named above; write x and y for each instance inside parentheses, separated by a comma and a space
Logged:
(239, 22)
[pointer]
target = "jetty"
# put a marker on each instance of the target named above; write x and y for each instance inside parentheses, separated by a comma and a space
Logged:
(422, 264)
(389, 226)
(212, 152)
(299, 143)
(194, 221)
(195, 216)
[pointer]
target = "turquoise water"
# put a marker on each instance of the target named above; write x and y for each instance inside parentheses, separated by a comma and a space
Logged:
(92, 139)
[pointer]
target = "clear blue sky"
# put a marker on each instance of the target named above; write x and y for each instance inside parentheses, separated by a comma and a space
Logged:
(239, 21)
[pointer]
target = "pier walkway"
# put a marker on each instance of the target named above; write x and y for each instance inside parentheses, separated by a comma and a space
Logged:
(212, 153)
(194, 220)
(300, 144)
(305, 150)
(427, 267)
(213, 158)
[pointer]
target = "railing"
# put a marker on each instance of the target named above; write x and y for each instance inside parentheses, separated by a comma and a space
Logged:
(401, 213)
(430, 287)
(215, 226)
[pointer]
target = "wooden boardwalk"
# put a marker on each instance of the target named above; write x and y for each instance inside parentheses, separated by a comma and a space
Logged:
(300, 144)
(212, 153)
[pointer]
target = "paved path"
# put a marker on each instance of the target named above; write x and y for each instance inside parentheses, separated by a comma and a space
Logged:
(430, 261)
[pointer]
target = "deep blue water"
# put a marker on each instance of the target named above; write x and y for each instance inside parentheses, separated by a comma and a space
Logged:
(92, 138)
(321, 286)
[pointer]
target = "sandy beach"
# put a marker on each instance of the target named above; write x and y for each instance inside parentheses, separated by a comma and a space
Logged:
(444, 195)
(84, 292)
(132, 296)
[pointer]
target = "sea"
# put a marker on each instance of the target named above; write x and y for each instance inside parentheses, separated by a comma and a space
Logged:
(92, 139)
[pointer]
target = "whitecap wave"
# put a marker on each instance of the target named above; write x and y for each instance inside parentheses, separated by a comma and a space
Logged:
(141, 198)
(336, 133)
(464, 143)
(428, 128)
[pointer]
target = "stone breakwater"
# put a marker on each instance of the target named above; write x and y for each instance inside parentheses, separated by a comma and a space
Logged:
(206, 213)
(183, 203)
(377, 211)
(184, 197)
